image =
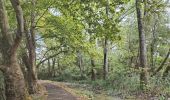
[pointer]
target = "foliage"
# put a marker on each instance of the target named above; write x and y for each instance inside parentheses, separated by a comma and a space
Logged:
(70, 34)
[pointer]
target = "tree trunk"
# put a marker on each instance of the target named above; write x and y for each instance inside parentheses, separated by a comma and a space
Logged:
(105, 51)
(153, 42)
(93, 72)
(53, 67)
(49, 68)
(105, 65)
(14, 79)
(31, 80)
(79, 62)
(59, 67)
(31, 65)
(142, 46)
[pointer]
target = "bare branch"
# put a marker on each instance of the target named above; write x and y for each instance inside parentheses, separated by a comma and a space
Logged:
(20, 24)
(43, 13)
(127, 12)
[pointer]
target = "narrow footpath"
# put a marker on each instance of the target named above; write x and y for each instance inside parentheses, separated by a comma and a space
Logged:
(57, 93)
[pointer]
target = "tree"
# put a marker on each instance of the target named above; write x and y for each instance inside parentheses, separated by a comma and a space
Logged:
(14, 79)
(142, 45)
(29, 57)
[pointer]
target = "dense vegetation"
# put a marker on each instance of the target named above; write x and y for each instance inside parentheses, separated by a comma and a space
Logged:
(117, 47)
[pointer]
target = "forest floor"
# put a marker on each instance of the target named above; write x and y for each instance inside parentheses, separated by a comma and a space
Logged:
(73, 91)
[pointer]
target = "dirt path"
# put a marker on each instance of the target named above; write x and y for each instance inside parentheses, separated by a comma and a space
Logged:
(57, 93)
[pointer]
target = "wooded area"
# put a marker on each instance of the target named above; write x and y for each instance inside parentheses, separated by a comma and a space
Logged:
(119, 48)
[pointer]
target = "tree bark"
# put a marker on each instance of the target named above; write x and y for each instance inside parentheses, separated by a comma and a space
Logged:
(105, 65)
(30, 61)
(153, 42)
(31, 56)
(142, 46)
(105, 51)
(49, 69)
(14, 81)
(93, 72)
(53, 67)
(30, 76)
(15, 88)
(79, 62)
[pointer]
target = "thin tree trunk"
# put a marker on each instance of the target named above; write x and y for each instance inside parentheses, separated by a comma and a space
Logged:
(105, 65)
(142, 46)
(153, 42)
(79, 62)
(53, 67)
(31, 65)
(49, 68)
(59, 67)
(93, 72)
(105, 51)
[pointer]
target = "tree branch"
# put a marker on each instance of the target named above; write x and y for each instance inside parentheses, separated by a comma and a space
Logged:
(20, 24)
(51, 48)
(48, 58)
(126, 13)
(162, 64)
(4, 25)
(43, 13)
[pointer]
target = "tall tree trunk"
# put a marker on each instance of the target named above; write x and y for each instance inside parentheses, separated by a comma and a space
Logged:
(93, 71)
(153, 42)
(142, 46)
(105, 51)
(105, 65)
(31, 65)
(14, 79)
